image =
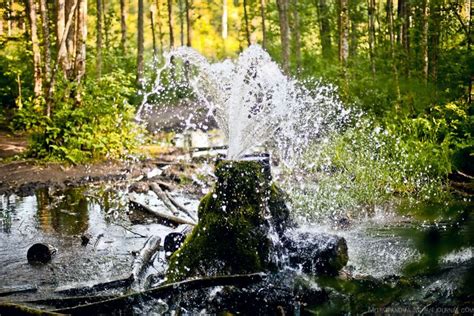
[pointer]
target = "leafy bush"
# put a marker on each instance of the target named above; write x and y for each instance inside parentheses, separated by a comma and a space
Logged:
(368, 164)
(101, 126)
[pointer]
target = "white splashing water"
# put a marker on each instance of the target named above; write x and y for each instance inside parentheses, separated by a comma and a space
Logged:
(253, 102)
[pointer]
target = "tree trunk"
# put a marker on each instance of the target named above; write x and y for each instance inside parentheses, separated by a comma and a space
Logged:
(424, 39)
(282, 6)
(99, 38)
(47, 56)
(181, 22)
(80, 62)
(343, 31)
(60, 25)
(71, 35)
(224, 19)
(297, 34)
(123, 24)
(371, 14)
(140, 43)
(392, 48)
(434, 36)
(159, 22)
(246, 20)
(188, 23)
(153, 35)
(9, 17)
(107, 24)
(403, 32)
(170, 22)
(37, 73)
(262, 17)
(324, 28)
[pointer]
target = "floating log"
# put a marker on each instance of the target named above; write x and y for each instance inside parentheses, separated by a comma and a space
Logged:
(166, 217)
(16, 309)
(152, 245)
(316, 253)
(127, 301)
(18, 290)
(40, 253)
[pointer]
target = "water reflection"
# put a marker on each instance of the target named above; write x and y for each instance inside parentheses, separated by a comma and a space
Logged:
(6, 209)
(64, 212)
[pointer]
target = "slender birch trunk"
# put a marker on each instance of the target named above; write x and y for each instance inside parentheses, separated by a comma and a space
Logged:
(123, 24)
(37, 73)
(246, 21)
(262, 17)
(140, 43)
(99, 38)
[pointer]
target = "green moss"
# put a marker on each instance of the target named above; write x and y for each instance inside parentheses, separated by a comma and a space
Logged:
(231, 236)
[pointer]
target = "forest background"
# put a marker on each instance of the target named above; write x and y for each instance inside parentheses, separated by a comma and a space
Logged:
(71, 72)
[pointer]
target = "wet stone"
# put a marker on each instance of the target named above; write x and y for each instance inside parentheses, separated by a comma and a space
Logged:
(40, 253)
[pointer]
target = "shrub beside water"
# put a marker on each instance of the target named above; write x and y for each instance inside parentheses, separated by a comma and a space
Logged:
(101, 126)
(373, 161)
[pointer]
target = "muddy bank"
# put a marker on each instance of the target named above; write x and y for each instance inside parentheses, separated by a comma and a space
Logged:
(24, 177)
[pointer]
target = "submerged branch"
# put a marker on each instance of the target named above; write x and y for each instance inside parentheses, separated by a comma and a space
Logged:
(126, 301)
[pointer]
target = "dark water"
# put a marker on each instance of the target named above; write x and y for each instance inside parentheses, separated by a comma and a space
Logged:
(60, 218)
(417, 258)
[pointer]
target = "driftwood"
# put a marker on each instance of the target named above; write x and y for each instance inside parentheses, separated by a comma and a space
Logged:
(165, 185)
(180, 207)
(164, 198)
(126, 301)
(166, 217)
(152, 245)
(63, 302)
(18, 290)
(16, 309)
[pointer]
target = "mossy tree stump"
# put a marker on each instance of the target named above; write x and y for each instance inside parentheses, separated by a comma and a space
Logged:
(232, 234)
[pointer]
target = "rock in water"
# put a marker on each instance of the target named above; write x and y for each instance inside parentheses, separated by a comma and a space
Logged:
(40, 253)
(316, 253)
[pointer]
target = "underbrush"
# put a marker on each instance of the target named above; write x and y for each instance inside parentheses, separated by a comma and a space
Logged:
(101, 126)
(369, 163)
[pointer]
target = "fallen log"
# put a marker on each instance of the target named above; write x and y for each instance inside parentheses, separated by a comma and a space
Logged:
(16, 309)
(163, 216)
(152, 245)
(127, 301)
(180, 207)
(161, 194)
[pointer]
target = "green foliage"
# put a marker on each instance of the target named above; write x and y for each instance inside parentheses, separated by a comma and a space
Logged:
(100, 127)
(370, 162)
(15, 74)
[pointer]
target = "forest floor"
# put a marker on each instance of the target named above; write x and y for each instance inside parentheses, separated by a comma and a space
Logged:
(24, 176)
